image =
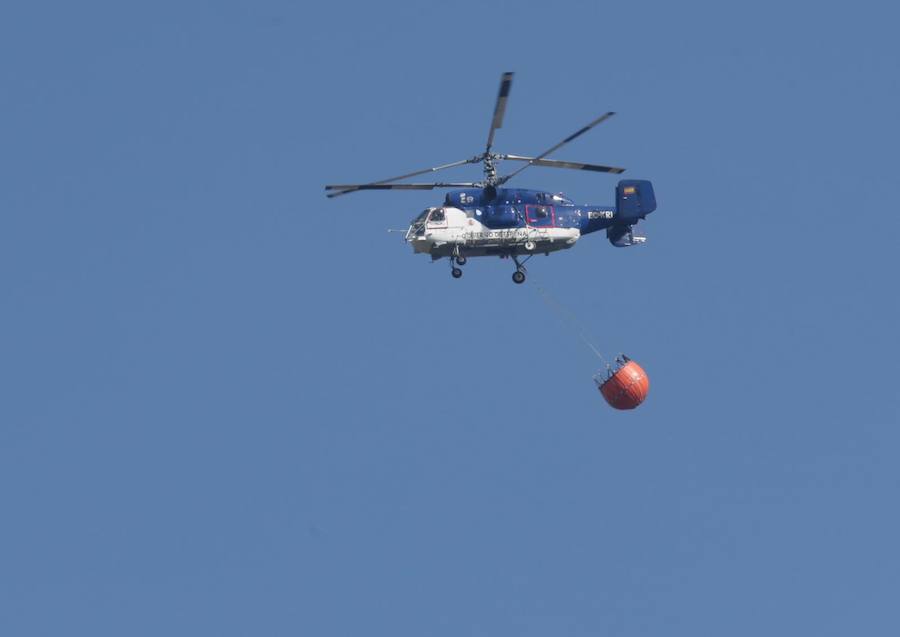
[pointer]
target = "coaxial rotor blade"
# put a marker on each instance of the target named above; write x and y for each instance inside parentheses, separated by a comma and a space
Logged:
(471, 160)
(555, 163)
(352, 187)
(568, 139)
(499, 108)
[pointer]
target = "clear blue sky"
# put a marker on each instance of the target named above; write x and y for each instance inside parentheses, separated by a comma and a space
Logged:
(229, 406)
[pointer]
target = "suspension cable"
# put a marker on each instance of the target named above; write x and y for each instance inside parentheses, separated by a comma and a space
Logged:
(567, 316)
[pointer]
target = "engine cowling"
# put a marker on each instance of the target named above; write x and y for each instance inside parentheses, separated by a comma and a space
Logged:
(500, 216)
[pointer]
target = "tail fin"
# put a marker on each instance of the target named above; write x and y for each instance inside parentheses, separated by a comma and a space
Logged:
(635, 200)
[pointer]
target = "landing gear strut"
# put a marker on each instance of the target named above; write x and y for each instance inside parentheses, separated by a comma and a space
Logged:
(460, 260)
(519, 275)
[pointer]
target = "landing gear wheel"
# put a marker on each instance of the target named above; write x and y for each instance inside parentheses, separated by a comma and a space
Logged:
(518, 276)
(456, 272)
(529, 245)
(460, 260)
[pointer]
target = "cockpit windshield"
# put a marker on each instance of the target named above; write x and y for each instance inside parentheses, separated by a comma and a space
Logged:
(417, 227)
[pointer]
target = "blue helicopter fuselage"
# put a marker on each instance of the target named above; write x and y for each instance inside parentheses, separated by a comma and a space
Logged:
(512, 222)
(520, 208)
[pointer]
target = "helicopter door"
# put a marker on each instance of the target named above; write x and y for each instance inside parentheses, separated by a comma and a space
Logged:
(437, 219)
(540, 216)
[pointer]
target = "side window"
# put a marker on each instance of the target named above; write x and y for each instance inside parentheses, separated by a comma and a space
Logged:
(539, 216)
(437, 215)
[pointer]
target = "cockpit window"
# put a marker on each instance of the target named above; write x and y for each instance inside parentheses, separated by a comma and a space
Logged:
(437, 215)
(421, 218)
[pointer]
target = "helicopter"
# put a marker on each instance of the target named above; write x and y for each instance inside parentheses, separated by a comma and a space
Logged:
(488, 219)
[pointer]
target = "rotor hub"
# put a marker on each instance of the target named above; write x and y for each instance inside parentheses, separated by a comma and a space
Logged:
(490, 169)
